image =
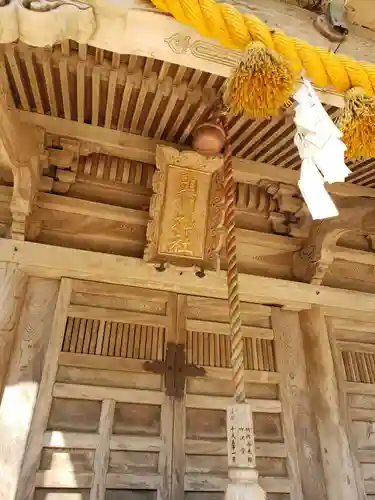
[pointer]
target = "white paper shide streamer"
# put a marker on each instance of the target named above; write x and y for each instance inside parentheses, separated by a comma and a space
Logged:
(321, 151)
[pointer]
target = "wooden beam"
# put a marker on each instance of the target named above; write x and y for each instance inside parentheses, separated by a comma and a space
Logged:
(53, 334)
(256, 250)
(139, 148)
(57, 262)
(87, 208)
(21, 149)
(355, 256)
(23, 381)
(12, 290)
(337, 455)
(101, 461)
(298, 417)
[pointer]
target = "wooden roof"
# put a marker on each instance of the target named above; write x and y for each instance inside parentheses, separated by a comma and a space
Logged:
(147, 97)
(104, 114)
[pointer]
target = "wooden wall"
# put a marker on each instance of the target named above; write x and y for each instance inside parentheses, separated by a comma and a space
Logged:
(110, 332)
(355, 341)
(104, 427)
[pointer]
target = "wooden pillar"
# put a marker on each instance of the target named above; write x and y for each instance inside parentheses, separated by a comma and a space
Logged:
(337, 456)
(25, 380)
(301, 436)
(12, 290)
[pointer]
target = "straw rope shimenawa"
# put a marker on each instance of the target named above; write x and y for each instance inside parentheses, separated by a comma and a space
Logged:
(266, 77)
(235, 30)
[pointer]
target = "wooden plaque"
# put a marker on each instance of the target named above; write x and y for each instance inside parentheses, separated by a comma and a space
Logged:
(186, 209)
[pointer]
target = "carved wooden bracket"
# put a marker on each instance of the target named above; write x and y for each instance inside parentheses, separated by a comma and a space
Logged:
(285, 203)
(22, 148)
(22, 151)
(186, 209)
(62, 159)
(312, 262)
(46, 22)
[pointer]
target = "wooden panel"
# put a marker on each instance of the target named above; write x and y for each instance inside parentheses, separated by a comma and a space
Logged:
(364, 437)
(115, 321)
(195, 495)
(210, 386)
(121, 462)
(74, 415)
(359, 366)
(109, 428)
(135, 419)
(119, 297)
(221, 403)
(116, 339)
(130, 495)
(70, 391)
(61, 494)
(212, 349)
(204, 447)
(207, 340)
(354, 344)
(62, 440)
(108, 378)
(206, 464)
(78, 460)
(217, 310)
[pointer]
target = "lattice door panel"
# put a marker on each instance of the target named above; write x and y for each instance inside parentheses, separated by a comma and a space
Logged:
(201, 452)
(110, 428)
(355, 351)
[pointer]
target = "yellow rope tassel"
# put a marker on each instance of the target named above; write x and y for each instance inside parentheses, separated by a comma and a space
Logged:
(235, 29)
(357, 123)
(261, 84)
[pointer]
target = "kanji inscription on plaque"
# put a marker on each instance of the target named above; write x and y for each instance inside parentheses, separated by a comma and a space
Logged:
(186, 209)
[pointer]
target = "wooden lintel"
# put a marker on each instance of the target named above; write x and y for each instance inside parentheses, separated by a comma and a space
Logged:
(139, 148)
(56, 262)
(254, 247)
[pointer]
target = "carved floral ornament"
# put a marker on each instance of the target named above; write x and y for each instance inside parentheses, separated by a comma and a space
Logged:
(45, 22)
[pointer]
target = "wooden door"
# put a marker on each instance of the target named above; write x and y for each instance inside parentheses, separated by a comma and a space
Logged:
(200, 453)
(353, 349)
(110, 428)
(113, 433)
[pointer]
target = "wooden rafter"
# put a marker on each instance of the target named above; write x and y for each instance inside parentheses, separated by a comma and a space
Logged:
(116, 28)
(142, 96)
